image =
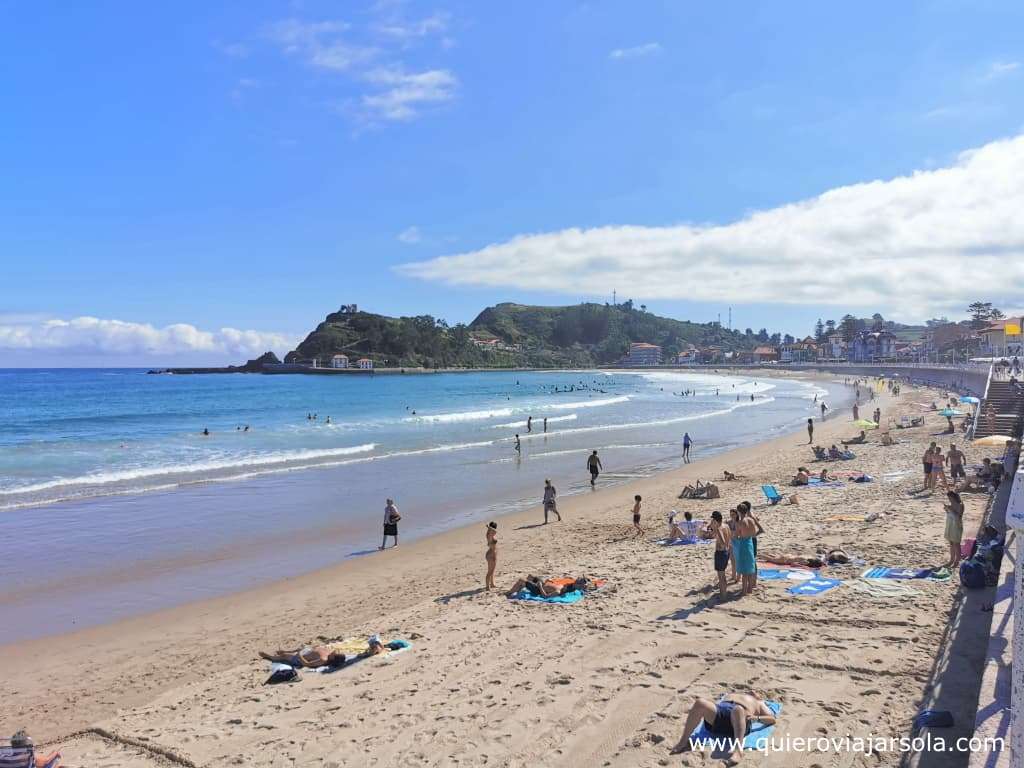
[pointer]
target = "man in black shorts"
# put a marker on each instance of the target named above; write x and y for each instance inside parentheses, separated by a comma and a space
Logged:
(594, 465)
(723, 545)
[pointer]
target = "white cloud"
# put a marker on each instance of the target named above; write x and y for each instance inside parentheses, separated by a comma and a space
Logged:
(1000, 68)
(911, 247)
(647, 49)
(95, 336)
(410, 235)
(435, 24)
(320, 44)
(405, 94)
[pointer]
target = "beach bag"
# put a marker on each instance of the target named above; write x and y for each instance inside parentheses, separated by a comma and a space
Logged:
(283, 674)
(972, 574)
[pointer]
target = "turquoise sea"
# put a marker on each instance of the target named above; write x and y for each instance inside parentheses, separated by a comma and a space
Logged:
(107, 475)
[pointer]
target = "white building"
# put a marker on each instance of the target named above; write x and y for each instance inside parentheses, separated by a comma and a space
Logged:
(339, 361)
(365, 363)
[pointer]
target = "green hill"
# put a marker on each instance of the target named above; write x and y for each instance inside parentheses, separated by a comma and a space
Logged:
(508, 335)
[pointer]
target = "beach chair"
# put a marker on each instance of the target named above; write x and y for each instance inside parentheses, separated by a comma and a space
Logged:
(772, 494)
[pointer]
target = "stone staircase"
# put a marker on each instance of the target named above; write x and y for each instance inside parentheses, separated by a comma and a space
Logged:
(1002, 397)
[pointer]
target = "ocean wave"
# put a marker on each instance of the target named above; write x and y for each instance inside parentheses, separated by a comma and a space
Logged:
(492, 413)
(585, 403)
(141, 473)
(551, 419)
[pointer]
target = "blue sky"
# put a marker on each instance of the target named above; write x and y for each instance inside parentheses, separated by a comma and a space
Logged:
(254, 165)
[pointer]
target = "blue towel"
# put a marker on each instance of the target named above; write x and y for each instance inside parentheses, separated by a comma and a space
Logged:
(814, 586)
(817, 482)
(682, 542)
(570, 597)
(757, 738)
(771, 574)
(882, 572)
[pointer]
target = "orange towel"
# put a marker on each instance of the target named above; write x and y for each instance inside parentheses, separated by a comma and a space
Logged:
(564, 581)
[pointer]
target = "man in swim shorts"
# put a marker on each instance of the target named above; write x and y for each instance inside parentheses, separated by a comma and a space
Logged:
(730, 718)
(594, 465)
(723, 544)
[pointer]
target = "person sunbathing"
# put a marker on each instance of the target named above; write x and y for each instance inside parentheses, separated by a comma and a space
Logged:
(858, 440)
(802, 477)
(729, 476)
(729, 718)
(325, 656)
(542, 588)
(783, 558)
(825, 477)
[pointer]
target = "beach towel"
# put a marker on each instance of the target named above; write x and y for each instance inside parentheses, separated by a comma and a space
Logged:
(791, 574)
(846, 518)
(757, 738)
(880, 588)
(681, 542)
(817, 482)
(814, 586)
(569, 597)
(881, 572)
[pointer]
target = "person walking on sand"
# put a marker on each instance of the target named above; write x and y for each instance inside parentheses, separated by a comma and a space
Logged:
(636, 516)
(545, 423)
(550, 505)
(718, 531)
(956, 459)
(491, 556)
(856, 412)
(529, 424)
(391, 518)
(594, 465)
(954, 527)
(810, 431)
(518, 445)
(824, 408)
(687, 442)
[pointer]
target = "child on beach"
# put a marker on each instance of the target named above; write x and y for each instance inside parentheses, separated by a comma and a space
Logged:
(954, 527)
(491, 556)
(718, 531)
(636, 516)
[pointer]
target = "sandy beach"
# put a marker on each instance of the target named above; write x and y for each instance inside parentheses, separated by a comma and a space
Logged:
(490, 681)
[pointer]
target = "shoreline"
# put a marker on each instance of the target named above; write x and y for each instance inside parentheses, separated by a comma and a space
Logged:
(163, 628)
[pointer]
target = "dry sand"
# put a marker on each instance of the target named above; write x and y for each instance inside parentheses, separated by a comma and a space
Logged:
(495, 682)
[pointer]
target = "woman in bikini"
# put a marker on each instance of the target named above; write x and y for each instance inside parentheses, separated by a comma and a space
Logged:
(491, 556)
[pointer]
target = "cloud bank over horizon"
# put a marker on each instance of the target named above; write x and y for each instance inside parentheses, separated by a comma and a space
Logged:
(911, 247)
(104, 338)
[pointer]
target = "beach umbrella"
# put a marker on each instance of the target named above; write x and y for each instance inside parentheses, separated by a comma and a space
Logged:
(865, 424)
(995, 441)
(950, 412)
(969, 399)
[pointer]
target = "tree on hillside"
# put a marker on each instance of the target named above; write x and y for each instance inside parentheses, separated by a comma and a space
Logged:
(787, 339)
(775, 339)
(878, 322)
(996, 315)
(819, 330)
(762, 335)
(848, 327)
(830, 327)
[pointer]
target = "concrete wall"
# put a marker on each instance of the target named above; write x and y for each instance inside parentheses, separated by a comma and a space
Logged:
(962, 380)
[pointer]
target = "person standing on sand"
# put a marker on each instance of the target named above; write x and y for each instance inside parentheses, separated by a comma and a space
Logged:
(810, 431)
(745, 510)
(856, 412)
(687, 442)
(594, 465)
(545, 423)
(636, 516)
(391, 518)
(529, 424)
(926, 462)
(732, 524)
(824, 408)
(743, 551)
(956, 459)
(939, 469)
(550, 505)
(518, 445)
(491, 556)
(954, 527)
(723, 544)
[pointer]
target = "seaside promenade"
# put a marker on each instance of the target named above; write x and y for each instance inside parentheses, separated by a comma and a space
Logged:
(606, 682)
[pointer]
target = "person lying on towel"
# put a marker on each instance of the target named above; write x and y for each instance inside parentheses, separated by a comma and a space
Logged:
(323, 655)
(832, 557)
(729, 718)
(538, 588)
(861, 438)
